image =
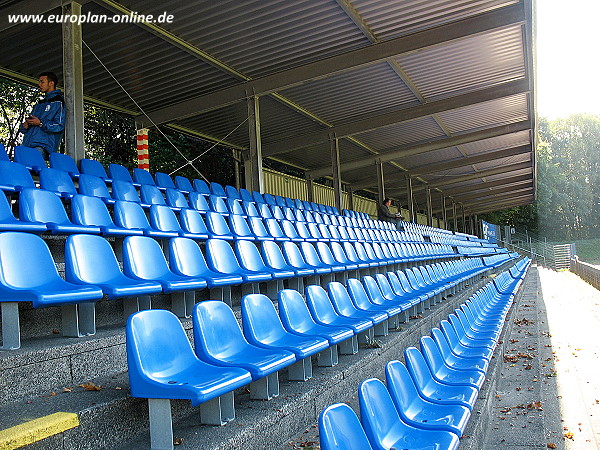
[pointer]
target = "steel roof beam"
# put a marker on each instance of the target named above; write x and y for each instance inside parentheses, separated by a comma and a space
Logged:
(371, 54)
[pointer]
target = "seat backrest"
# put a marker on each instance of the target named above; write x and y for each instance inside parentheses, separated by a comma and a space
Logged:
(57, 181)
(93, 186)
(293, 311)
(192, 222)
(350, 252)
(119, 172)
(157, 347)
(319, 304)
(287, 228)
(264, 211)
(217, 204)
(325, 253)
(303, 231)
(186, 258)
(249, 256)
(234, 206)
(258, 228)
(292, 254)
(217, 189)
(431, 352)
(130, 215)
(272, 255)
(201, 186)
(358, 294)
(29, 157)
(220, 257)
(217, 225)
(310, 254)
(86, 210)
(279, 201)
(63, 162)
(3, 154)
(372, 290)
(163, 218)
(384, 285)
(164, 180)
(232, 192)
(250, 209)
(183, 184)
(258, 197)
(143, 258)
(340, 299)
(260, 321)
(151, 195)
(400, 385)
(417, 367)
(176, 198)
(6, 214)
(340, 429)
(93, 167)
(216, 331)
(198, 202)
(378, 413)
(268, 198)
(142, 176)
(338, 253)
(37, 205)
(90, 259)
(15, 176)
(277, 212)
(25, 261)
(246, 195)
(124, 190)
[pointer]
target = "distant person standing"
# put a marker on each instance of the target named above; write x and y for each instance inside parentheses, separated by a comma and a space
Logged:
(384, 213)
(43, 129)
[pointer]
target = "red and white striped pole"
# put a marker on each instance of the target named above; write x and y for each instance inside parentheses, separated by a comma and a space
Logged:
(142, 149)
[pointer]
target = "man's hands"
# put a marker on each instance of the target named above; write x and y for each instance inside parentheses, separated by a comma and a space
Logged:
(31, 121)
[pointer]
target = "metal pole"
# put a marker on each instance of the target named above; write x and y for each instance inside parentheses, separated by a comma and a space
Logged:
(334, 146)
(253, 160)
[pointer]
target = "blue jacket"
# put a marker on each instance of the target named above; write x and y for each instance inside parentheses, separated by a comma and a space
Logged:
(51, 111)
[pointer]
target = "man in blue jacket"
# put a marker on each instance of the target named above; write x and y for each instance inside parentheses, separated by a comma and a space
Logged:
(44, 127)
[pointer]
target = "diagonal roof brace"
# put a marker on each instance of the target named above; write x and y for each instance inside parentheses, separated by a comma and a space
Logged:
(371, 54)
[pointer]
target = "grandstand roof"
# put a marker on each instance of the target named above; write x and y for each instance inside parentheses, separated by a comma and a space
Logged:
(440, 90)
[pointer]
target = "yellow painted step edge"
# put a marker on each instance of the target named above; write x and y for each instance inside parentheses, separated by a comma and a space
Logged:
(37, 429)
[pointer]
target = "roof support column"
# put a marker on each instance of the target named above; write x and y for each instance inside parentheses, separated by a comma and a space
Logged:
(429, 207)
(454, 219)
(444, 212)
(73, 75)
(310, 189)
(477, 225)
(410, 199)
(235, 154)
(253, 160)
(334, 146)
(380, 182)
(350, 193)
(464, 218)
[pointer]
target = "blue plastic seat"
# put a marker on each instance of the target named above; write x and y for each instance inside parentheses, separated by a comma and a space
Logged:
(57, 181)
(257, 227)
(28, 274)
(176, 199)
(463, 349)
(343, 305)
(192, 222)
(86, 210)
(186, 259)
(151, 195)
(3, 154)
(63, 162)
(163, 218)
(263, 328)
(218, 340)
(313, 259)
(201, 187)
(269, 199)
(234, 206)
(274, 259)
(250, 209)
(279, 200)
(217, 226)
(14, 177)
(143, 259)
(94, 186)
(466, 361)
(217, 204)
(249, 258)
(418, 412)
(121, 173)
(360, 298)
(142, 176)
(95, 168)
(232, 192)
(217, 189)
(221, 259)
(294, 258)
(340, 429)
(131, 216)
(386, 430)
(393, 308)
(304, 232)
(392, 294)
(37, 205)
(246, 195)
(90, 260)
(183, 184)
(277, 212)
(340, 256)
(30, 158)
(296, 318)
(198, 202)
(326, 256)
(163, 366)
(126, 191)
(8, 222)
(264, 211)
(350, 252)
(323, 312)
(431, 389)
(164, 181)
(258, 197)
(278, 231)
(240, 229)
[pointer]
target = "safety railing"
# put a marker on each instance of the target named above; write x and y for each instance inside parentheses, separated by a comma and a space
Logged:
(586, 271)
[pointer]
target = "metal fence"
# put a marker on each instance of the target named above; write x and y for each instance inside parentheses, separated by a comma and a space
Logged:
(586, 271)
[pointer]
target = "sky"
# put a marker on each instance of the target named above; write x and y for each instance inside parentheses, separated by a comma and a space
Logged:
(568, 57)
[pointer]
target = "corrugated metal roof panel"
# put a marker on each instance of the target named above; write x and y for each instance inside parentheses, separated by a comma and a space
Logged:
(365, 91)
(503, 162)
(496, 143)
(468, 64)
(488, 114)
(437, 156)
(390, 19)
(404, 133)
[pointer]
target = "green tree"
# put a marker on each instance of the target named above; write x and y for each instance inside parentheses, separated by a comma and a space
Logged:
(16, 104)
